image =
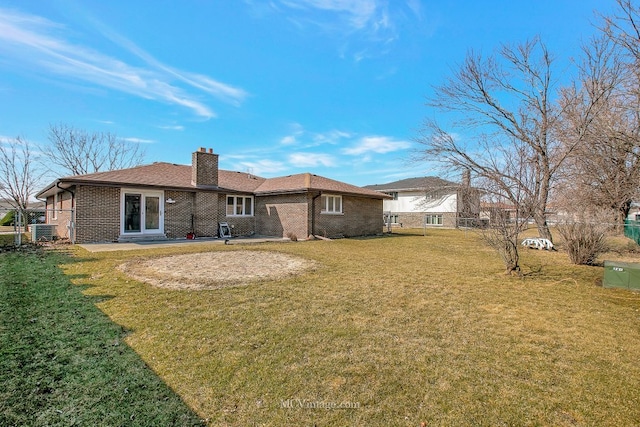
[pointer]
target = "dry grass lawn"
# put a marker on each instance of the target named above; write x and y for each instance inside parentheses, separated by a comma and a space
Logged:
(389, 331)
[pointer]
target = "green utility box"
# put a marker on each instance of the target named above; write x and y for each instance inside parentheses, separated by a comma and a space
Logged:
(621, 275)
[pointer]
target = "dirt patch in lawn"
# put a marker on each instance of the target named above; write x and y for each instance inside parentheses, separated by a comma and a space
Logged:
(215, 270)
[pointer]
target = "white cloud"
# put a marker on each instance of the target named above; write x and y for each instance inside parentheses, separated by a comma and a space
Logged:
(40, 44)
(303, 160)
(139, 140)
(288, 140)
(365, 28)
(264, 166)
(172, 127)
(376, 144)
(358, 13)
(302, 137)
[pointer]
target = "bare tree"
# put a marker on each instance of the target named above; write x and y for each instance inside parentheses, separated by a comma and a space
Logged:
(80, 152)
(19, 175)
(505, 224)
(604, 170)
(506, 101)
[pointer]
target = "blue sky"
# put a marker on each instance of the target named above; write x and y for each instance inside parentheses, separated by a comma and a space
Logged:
(276, 87)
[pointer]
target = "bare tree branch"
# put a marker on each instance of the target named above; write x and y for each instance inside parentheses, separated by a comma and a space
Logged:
(19, 176)
(79, 152)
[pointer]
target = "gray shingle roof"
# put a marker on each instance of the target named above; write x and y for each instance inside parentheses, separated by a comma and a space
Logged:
(422, 183)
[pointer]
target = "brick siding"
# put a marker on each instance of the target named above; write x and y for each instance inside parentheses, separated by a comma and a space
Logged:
(416, 219)
(97, 214)
(283, 216)
(361, 217)
(178, 215)
(206, 213)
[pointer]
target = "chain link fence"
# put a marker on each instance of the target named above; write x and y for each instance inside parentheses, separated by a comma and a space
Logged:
(36, 225)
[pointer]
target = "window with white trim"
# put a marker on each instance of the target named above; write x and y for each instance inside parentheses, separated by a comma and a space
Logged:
(331, 204)
(433, 219)
(239, 206)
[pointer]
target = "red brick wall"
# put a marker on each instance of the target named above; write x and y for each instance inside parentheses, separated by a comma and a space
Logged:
(97, 214)
(283, 216)
(361, 217)
(177, 216)
(206, 213)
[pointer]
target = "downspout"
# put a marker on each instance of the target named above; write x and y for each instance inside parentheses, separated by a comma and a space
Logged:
(313, 213)
(73, 212)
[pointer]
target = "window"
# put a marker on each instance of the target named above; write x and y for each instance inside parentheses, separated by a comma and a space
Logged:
(331, 204)
(433, 219)
(393, 194)
(391, 218)
(239, 206)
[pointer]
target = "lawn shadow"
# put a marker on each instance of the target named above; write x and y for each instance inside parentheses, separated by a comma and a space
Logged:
(65, 362)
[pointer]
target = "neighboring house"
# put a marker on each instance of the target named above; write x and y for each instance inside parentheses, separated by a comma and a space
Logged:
(634, 211)
(164, 200)
(6, 205)
(430, 201)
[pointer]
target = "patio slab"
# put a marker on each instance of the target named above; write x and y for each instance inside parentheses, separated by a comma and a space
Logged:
(129, 246)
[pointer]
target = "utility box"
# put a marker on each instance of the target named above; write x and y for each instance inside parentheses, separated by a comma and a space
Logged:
(42, 232)
(621, 275)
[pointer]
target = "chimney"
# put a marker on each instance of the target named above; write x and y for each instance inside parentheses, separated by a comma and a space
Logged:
(466, 178)
(204, 167)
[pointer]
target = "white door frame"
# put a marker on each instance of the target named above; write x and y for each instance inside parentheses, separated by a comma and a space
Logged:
(143, 196)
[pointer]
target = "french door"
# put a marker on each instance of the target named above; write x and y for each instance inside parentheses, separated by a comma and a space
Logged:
(142, 212)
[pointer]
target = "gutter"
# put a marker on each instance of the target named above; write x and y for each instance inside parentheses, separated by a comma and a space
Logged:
(73, 195)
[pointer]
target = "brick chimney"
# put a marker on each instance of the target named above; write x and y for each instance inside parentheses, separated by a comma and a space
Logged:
(204, 167)
(466, 178)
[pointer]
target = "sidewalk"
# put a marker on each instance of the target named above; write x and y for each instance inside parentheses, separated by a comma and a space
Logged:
(129, 246)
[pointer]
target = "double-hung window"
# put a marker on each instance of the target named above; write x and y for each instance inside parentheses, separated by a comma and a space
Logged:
(331, 204)
(239, 206)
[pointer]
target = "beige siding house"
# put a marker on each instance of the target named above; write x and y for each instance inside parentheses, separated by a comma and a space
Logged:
(164, 200)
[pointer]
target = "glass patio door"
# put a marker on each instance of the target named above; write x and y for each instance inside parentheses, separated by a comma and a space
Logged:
(142, 212)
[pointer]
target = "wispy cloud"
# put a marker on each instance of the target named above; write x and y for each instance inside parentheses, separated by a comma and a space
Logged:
(172, 127)
(303, 138)
(376, 144)
(366, 28)
(303, 160)
(139, 140)
(263, 166)
(44, 45)
(358, 13)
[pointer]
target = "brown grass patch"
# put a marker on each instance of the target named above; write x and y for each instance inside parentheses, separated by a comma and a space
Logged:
(215, 270)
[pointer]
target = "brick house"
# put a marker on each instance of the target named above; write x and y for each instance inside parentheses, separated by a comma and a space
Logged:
(164, 200)
(430, 202)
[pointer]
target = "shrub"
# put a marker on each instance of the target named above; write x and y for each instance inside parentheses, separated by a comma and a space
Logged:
(583, 241)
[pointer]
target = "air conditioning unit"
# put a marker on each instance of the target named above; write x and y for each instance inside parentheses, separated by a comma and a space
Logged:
(41, 232)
